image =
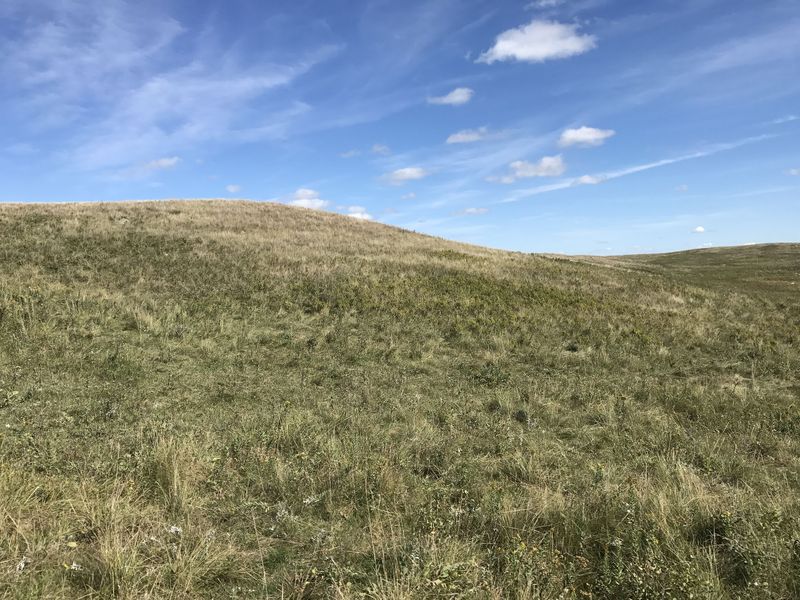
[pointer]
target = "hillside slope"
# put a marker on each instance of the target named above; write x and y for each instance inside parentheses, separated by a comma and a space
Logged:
(760, 269)
(242, 400)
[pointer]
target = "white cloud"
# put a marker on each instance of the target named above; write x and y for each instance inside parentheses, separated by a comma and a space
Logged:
(547, 166)
(233, 188)
(457, 97)
(473, 211)
(409, 196)
(793, 172)
(518, 195)
(682, 189)
(466, 136)
(161, 164)
(145, 170)
(381, 149)
(308, 198)
(358, 212)
(544, 3)
(699, 229)
(786, 119)
(350, 154)
(585, 136)
(129, 81)
(401, 176)
(589, 180)
(538, 41)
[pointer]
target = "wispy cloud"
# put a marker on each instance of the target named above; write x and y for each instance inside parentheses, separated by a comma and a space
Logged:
(200, 106)
(233, 188)
(144, 170)
(74, 53)
(544, 3)
(381, 149)
(728, 68)
(20, 149)
(471, 212)
(518, 195)
(162, 163)
(466, 136)
(112, 70)
(538, 41)
(464, 167)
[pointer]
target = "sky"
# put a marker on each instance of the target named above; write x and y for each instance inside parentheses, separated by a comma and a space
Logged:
(570, 126)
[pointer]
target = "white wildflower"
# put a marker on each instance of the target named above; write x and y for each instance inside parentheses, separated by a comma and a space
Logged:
(22, 564)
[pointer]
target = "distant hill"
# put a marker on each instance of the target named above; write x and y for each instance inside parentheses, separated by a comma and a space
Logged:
(771, 269)
(244, 400)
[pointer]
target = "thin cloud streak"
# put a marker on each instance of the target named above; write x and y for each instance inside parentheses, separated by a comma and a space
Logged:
(518, 195)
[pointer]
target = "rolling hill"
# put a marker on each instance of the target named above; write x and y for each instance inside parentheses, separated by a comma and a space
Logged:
(241, 400)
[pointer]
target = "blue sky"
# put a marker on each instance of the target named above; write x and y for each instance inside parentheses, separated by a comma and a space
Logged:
(575, 126)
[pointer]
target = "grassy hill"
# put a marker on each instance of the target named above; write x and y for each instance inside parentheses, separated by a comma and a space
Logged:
(761, 269)
(241, 400)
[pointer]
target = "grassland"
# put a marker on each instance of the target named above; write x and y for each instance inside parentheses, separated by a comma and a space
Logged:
(241, 400)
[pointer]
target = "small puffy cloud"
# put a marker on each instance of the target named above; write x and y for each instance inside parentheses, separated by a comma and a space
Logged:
(401, 176)
(161, 164)
(381, 149)
(585, 136)
(589, 180)
(699, 229)
(233, 188)
(457, 97)
(473, 211)
(349, 154)
(358, 212)
(548, 166)
(538, 41)
(682, 189)
(466, 136)
(795, 172)
(308, 198)
(409, 196)
(786, 119)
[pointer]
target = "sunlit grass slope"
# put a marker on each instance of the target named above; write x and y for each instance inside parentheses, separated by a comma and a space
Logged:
(242, 400)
